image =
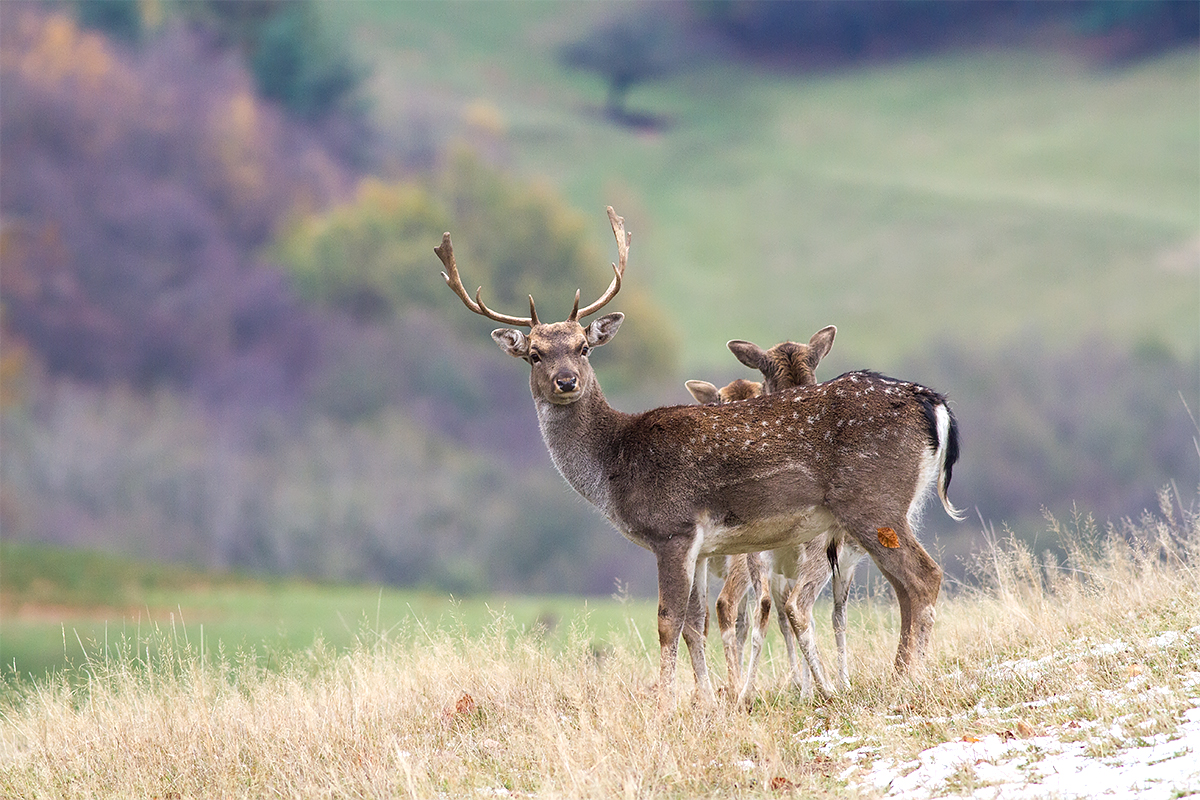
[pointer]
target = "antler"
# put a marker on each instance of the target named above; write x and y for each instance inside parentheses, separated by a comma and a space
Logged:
(446, 253)
(618, 226)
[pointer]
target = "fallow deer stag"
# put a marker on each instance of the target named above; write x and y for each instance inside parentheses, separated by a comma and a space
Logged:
(856, 454)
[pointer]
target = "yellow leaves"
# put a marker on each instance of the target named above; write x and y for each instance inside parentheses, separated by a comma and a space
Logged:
(152, 13)
(14, 362)
(236, 125)
(376, 246)
(888, 538)
(52, 57)
(59, 51)
(484, 117)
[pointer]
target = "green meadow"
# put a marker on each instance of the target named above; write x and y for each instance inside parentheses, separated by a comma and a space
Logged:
(61, 608)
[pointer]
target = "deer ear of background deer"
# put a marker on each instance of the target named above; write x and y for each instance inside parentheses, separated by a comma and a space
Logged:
(821, 343)
(513, 342)
(603, 329)
(703, 392)
(750, 354)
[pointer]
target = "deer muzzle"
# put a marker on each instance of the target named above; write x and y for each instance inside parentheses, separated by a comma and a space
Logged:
(565, 383)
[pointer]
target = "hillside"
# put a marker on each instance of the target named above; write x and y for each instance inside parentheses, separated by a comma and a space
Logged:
(965, 196)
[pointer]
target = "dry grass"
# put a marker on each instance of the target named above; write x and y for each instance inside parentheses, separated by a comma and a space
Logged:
(1037, 646)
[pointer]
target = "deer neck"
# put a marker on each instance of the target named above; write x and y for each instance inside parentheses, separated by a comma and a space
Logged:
(580, 436)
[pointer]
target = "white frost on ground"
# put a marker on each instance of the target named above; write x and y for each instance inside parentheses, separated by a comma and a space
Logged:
(1043, 766)
(1060, 764)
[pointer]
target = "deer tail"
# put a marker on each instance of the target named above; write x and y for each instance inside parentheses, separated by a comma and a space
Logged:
(946, 456)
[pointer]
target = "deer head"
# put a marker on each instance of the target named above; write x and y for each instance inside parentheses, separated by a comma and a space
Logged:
(706, 393)
(787, 364)
(558, 351)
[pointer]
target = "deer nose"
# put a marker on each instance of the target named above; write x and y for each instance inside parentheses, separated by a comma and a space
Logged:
(565, 383)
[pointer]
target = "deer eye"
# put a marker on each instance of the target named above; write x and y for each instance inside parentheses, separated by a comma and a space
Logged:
(534, 358)
(583, 349)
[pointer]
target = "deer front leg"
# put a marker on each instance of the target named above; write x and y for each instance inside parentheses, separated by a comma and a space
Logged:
(762, 617)
(695, 631)
(799, 613)
(781, 589)
(730, 615)
(843, 574)
(679, 605)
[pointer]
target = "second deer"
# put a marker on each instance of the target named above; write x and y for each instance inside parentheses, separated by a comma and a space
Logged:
(786, 365)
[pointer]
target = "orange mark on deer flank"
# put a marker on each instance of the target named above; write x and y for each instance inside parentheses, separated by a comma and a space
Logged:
(888, 537)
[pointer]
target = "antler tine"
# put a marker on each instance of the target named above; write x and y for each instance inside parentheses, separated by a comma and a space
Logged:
(623, 239)
(446, 253)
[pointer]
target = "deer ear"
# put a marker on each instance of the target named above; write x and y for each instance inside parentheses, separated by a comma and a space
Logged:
(703, 392)
(748, 353)
(603, 328)
(820, 344)
(512, 342)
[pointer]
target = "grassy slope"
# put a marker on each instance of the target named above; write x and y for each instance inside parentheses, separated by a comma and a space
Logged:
(962, 196)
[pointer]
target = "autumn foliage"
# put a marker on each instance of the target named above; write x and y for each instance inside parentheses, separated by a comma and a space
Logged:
(137, 186)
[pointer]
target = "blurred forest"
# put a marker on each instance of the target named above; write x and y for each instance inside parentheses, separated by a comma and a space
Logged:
(225, 340)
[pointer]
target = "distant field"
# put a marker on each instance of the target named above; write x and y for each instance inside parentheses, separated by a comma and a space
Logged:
(969, 197)
(61, 606)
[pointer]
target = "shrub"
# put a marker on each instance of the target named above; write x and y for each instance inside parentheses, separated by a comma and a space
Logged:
(373, 257)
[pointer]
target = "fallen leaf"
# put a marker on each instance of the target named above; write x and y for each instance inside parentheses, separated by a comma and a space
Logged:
(1007, 736)
(818, 765)
(781, 784)
(1133, 670)
(1025, 729)
(970, 738)
(465, 705)
(888, 538)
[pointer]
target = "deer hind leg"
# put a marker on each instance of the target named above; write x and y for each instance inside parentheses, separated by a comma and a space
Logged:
(843, 573)
(762, 618)
(914, 575)
(731, 618)
(800, 616)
